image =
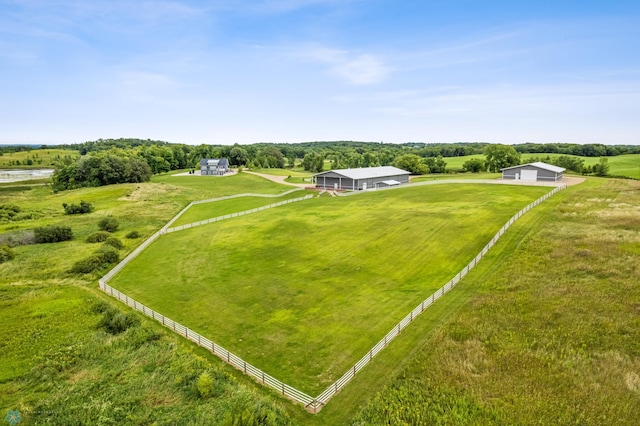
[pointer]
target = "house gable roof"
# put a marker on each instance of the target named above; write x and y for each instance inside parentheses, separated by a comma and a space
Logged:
(214, 162)
(367, 172)
(539, 165)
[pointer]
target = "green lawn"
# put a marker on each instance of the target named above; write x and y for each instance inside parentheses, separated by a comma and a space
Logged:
(303, 291)
(210, 210)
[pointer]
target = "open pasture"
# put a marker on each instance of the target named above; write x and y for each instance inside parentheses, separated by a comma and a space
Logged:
(204, 211)
(303, 291)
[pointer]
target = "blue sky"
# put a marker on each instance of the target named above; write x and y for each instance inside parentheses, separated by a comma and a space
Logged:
(304, 70)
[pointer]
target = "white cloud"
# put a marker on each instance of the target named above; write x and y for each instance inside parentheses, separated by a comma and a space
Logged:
(357, 69)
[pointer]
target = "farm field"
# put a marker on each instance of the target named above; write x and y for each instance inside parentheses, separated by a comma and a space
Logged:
(40, 158)
(284, 290)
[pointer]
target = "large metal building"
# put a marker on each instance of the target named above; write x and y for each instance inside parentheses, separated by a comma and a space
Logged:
(533, 172)
(362, 178)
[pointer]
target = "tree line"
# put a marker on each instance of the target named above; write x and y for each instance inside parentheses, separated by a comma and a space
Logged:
(108, 161)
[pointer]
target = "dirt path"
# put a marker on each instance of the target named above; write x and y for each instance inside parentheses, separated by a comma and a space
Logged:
(278, 179)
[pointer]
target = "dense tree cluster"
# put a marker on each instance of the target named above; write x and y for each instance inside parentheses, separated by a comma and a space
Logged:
(102, 169)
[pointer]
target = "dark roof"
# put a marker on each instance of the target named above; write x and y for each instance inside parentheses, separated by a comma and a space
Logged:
(222, 162)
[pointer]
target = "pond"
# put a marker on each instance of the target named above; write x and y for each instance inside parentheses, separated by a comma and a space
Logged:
(18, 175)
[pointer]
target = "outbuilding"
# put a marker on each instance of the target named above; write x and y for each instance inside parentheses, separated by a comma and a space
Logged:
(533, 172)
(362, 178)
(214, 166)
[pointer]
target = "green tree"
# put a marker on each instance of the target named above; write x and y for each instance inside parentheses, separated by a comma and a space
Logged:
(238, 156)
(412, 163)
(602, 168)
(500, 156)
(313, 162)
(474, 165)
(436, 165)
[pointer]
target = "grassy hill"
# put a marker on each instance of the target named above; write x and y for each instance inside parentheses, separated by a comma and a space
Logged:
(544, 330)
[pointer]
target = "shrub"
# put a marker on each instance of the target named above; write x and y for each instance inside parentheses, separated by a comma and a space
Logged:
(114, 242)
(8, 211)
(108, 255)
(84, 207)
(87, 265)
(52, 234)
(204, 384)
(133, 234)
(114, 321)
(104, 256)
(6, 254)
(98, 237)
(109, 224)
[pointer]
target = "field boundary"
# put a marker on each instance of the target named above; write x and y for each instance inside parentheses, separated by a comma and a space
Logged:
(310, 403)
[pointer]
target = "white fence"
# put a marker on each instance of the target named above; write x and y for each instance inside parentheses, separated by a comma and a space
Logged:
(216, 349)
(324, 397)
(310, 403)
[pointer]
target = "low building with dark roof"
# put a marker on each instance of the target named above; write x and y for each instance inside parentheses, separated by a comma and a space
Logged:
(533, 172)
(214, 166)
(361, 178)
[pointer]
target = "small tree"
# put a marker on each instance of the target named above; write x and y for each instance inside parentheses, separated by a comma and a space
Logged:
(602, 168)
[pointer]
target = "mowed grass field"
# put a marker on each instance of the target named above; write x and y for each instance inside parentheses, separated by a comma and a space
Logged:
(304, 290)
(204, 211)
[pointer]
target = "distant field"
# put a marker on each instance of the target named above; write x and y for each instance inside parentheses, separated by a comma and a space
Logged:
(303, 291)
(40, 158)
(620, 165)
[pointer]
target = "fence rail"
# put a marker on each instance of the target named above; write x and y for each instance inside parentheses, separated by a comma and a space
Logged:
(312, 404)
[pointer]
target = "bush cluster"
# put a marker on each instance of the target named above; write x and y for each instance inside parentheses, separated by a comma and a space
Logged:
(133, 234)
(82, 208)
(104, 256)
(109, 224)
(114, 242)
(8, 211)
(6, 254)
(113, 321)
(98, 237)
(52, 234)
(12, 212)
